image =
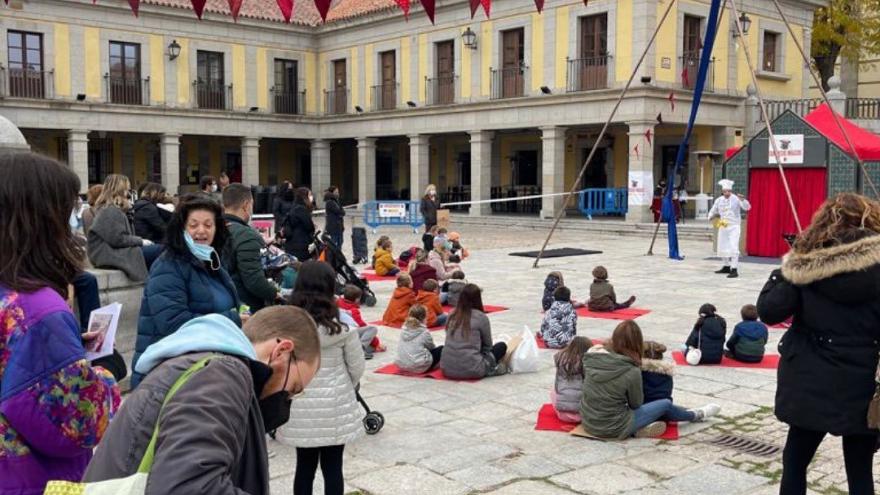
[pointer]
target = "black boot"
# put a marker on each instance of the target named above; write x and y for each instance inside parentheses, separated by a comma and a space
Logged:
(725, 269)
(733, 274)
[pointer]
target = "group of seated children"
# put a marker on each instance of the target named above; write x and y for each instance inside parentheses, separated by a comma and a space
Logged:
(746, 344)
(602, 296)
(404, 297)
(625, 390)
(457, 252)
(468, 353)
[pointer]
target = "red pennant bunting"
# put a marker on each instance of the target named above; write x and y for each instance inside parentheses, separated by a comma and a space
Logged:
(636, 151)
(234, 8)
(428, 5)
(685, 77)
(648, 135)
(286, 7)
(540, 5)
(198, 7)
(475, 4)
(323, 8)
(404, 6)
(672, 100)
(487, 6)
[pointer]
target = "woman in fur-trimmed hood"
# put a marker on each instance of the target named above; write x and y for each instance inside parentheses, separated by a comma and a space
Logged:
(830, 284)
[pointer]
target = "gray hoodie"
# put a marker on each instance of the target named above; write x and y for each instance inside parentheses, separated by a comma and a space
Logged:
(414, 349)
(455, 288)
(612, 389)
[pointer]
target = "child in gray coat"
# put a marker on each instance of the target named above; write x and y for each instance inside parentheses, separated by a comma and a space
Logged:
(416, 352)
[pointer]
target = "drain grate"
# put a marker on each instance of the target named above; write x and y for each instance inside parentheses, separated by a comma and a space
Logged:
(747, 445)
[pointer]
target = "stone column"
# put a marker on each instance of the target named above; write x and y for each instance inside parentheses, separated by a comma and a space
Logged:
(320, 158)
(481, 171)
(366, 169)
(78, 156)
(642, 164)
(754, 121)
(835, 96)
(250, 161)
(552, 170)
(419, 165)
(169, 153)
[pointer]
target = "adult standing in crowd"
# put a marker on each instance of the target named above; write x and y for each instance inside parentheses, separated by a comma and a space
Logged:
(188, 280)
(149, 221)
(469, 352)
(208, 185)
(54, 406)
(334, 225)
(241, 254)
(88, 214)
(223, 182)
(327, 416)
(830, 284)
(212, 433)
(111, 240)
(299, 229)
(429, 206)
(282, 204)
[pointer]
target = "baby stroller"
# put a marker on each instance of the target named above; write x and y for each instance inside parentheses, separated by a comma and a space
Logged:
(276, 265)
(345, 274)
(373, 421)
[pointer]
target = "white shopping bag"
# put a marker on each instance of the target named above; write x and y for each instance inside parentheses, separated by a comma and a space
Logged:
(525, 357)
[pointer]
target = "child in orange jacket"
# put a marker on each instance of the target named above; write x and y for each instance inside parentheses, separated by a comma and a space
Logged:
(429, 297)
(401, 300)
(385, 264)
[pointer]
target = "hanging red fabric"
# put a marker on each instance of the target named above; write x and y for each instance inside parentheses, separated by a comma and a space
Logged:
(235, 8)
(198, 7)
(487, 7)
(323, 8)
(135, 6)
(286, 7)
(428, 5)
(770, 217)
(475, 4)
(404, 6)
(539, 4)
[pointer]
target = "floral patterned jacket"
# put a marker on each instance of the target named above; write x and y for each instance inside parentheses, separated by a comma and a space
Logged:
(54, 407)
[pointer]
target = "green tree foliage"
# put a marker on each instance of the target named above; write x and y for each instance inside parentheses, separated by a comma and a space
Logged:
(849, 28)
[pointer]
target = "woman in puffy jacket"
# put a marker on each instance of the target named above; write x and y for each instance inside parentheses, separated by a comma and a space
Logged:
(327, 416)
(708, 335)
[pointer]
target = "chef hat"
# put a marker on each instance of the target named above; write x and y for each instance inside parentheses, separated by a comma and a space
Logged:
(726, 184)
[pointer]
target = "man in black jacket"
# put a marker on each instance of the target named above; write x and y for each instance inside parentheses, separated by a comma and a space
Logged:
(241, 254)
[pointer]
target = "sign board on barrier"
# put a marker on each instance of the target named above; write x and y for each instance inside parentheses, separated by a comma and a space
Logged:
(392, 210)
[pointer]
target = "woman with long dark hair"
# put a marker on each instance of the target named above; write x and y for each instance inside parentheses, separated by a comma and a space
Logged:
(469, 352)
(282, 204)
(188, 280)
(830, 284)
(334, 214)
(55, 407)
(429, 206)
(327, 416)
(299, 229)
(149, 221)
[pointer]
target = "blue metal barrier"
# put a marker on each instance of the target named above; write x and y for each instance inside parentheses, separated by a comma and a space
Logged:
(378, 213)
(609, 201)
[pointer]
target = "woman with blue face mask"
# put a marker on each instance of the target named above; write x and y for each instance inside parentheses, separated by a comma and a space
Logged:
(188, 280)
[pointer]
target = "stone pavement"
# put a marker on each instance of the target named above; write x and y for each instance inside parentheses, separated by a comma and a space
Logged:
(443, 437)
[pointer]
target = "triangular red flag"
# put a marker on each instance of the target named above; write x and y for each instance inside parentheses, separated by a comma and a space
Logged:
(636, 150)
(672, 100)
(286, 7)
(323, 8)
(659, 118)
(487, 7)
(685, 77)
(586, 2)
(648, 137)
(475, 4)
(135, 5)
(540, 5)
(404, 6)
(198, 7)
(699, 43)
(234, 8)
(428, 5)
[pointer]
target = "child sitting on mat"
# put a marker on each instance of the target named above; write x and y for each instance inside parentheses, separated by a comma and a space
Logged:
(420, 270)
(452, 288)
(708, 335)
(656, 373)
(602, 296)
(560, 321)
(568, 387)
(385, 264)
(428, 239)
(379, 243)
(350, 302)
(749, 337)
(429, 297)
(416, 352)
(402, 299)
(551, 283)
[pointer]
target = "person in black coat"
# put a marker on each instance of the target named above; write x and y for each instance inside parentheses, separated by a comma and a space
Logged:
(149, 221)
(708, 335)
(429, 206)
(334, 224)
(282, 204)
(830, 284)
(298, 228)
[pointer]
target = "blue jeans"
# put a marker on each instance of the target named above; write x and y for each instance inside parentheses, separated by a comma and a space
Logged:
(444, 298)
(85, 290)
(441, 320)
(151, 253)
(659, 409)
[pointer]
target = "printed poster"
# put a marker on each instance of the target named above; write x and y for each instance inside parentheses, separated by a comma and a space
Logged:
(640, 188)
(790, 148)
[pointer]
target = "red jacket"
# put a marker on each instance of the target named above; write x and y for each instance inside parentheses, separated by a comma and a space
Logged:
(353, 308)
(398, 307)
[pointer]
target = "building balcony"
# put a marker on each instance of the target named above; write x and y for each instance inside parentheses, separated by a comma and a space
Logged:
(288, 102)
(863, 108)
(690, 63)
(336, 102)
(26, 83)
(385, 96)
(127, 91)
(212, 95)
(440, 90)
(587, 74)
(508, 83)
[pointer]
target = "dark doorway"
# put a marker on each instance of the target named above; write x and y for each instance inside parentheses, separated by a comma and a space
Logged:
(595, 177)
(464, 168)
(525, 170)
(385, 187)
(669, 154)
(305, 171)
(445, 87)
(233, 166)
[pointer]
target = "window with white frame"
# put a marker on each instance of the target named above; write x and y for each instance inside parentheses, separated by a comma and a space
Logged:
(770, 57)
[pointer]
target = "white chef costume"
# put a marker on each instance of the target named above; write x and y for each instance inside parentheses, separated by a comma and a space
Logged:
(730, 210)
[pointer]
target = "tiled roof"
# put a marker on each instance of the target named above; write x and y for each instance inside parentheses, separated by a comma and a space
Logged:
(304, 12)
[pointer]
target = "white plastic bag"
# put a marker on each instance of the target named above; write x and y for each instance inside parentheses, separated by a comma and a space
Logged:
(525, 356)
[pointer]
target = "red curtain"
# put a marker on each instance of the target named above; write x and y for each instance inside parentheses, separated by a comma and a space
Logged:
(771, 217)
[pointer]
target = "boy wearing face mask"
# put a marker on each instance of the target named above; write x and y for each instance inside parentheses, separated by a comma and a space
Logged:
(211, 437)
(208, 185)
(429, 206)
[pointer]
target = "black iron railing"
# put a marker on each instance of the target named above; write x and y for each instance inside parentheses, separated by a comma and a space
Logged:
(508, 83)
(336, 102)
(690, 67)
(440, 90)
(587, 74)
(127, 91)
(863, 108)
(288, 102)
(27, 83)
(801, 107)
(385, 96)
(213, 95)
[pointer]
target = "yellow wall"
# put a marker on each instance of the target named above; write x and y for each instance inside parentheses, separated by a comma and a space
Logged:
(262, 81)
(311, 82)
(323, 65)
(92, 61)
(561, 46)
(183, 81)
(423, 66)
(538, 49)
(667, 46)
(62, 59)
(369, 64)
(623, 58)
(355, 78)
(722, 54)
(405, 65)
(793, 64)
(486, 52)
(157, 69)
(239, 77)
(466, 70)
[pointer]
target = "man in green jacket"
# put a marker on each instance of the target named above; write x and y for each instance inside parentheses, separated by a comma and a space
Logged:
(241, 254)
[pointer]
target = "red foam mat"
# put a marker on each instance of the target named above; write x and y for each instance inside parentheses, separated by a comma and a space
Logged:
(437, 374)
(770, 362)
(370, 276)
(543, 345)
(447, 309)
(620, 314)
(549, 421)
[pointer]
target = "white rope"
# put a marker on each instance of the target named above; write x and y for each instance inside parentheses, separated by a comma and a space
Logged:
(507, 200)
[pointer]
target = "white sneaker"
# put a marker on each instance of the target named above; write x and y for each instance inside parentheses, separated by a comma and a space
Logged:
(653, 430)
(706, 411)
